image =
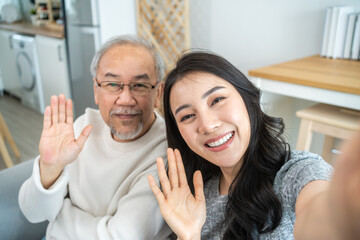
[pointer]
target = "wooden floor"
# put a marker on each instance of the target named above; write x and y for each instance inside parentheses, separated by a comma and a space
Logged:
(25, 126)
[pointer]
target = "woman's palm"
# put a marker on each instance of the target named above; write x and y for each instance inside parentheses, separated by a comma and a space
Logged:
(183, 212)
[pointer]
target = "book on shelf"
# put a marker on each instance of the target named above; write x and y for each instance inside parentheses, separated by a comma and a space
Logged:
(326, 32)
(340, 31)
(332, 31)
(349, 35)
(355, 47)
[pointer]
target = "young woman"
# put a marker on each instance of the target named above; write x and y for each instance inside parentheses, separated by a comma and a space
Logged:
(254, 186)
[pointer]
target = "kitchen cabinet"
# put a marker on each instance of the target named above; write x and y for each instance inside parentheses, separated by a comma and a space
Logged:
(53, 67)
(9, 75)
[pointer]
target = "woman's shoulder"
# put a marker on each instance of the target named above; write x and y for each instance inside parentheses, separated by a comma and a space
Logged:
(301, 168)
(299, 160)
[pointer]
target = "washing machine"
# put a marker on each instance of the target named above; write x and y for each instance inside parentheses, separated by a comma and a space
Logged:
(29, 73)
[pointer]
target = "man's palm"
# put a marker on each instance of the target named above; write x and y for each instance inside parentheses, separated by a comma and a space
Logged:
(58, 146)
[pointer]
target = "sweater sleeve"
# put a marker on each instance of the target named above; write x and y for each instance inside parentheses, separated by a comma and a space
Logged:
(137, 217)
(39, 204)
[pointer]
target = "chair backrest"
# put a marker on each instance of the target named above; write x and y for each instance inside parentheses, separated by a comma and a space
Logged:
(13, 224)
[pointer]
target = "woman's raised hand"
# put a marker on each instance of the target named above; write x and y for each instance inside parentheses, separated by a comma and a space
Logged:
(183, 212)
(58, 146)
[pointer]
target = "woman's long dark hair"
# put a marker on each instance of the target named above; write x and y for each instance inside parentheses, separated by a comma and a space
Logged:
(253, 208)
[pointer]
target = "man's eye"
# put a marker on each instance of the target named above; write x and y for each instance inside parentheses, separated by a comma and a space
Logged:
(112, 84)
(140, 86)
(216, 100)
(186, 117)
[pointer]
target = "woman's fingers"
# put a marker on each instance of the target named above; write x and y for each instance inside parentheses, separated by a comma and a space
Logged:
(176, 173)
(156, 190)
(173, 172)
(164, 181)
(198, 186)
(180, 169)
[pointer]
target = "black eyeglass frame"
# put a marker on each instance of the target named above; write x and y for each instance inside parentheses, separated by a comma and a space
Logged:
(123, 84)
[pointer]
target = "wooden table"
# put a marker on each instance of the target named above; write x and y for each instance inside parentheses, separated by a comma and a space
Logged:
(318, 79)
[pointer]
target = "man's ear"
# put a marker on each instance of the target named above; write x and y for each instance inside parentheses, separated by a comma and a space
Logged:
(96, 89)
(159, 94)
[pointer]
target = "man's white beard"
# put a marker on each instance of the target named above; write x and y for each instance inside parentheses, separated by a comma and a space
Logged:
(130, 135)
(127, 136)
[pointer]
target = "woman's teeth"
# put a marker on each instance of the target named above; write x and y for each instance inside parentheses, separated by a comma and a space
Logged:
(221, 141)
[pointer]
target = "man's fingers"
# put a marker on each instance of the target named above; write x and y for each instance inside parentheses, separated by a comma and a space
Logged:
(173, 172)
(47, 118)
(164, 181)
(156, 190)
(199, 186)
(69, 111)
(54, 110)
(62, 113)
(83, 136)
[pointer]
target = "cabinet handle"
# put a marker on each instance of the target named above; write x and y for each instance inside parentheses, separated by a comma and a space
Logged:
(10, 42)
(59, 53)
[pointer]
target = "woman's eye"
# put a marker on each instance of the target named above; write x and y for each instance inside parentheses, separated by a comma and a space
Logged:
(186, 117)
(216, 100)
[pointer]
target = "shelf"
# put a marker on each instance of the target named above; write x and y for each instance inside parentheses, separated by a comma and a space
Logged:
(47, 11)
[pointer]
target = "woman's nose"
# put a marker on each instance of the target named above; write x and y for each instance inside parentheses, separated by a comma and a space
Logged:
(208, 122)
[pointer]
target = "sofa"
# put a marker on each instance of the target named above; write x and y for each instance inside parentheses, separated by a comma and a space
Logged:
(13, 224)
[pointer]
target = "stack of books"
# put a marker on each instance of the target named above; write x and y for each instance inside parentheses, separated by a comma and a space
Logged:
(341, 37)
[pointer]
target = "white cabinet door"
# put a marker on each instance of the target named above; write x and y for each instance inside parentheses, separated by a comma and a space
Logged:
(9, 74)
(53, 67)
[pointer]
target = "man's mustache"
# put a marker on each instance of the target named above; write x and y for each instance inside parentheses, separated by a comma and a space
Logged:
(127, 111)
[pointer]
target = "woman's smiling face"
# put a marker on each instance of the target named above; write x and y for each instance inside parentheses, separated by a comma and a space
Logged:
(212, 119)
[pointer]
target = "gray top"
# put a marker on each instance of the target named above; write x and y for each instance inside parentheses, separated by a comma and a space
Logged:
(302, 168)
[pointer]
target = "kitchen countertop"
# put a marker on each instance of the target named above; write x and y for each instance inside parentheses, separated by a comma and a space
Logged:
(28, 28)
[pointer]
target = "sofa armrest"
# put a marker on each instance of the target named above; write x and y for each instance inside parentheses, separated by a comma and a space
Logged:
(13, 224)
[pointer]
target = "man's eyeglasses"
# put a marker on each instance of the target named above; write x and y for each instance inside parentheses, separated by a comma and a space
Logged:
(137, 88)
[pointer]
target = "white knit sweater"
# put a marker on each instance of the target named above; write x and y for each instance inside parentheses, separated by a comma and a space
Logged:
(104, 194)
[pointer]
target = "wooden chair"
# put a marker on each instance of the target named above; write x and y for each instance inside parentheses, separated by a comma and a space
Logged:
(5, 135)
(332, 121)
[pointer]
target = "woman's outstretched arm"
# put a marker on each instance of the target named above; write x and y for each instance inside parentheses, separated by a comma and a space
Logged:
(331, 211)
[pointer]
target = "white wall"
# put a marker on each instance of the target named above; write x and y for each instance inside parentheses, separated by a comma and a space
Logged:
(256, 33)
(117, 17)
(250, 34)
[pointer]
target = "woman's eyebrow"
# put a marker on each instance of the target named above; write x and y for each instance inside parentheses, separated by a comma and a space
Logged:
(181, 108)
(211, 91)
(207, 93)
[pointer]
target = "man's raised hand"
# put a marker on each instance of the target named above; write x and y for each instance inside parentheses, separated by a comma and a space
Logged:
(58, 146)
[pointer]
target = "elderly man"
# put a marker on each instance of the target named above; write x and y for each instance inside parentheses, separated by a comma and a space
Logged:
(99, 190)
